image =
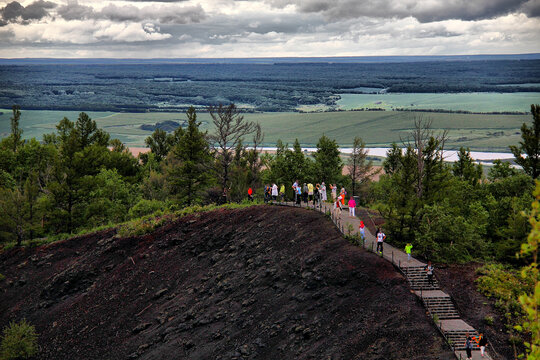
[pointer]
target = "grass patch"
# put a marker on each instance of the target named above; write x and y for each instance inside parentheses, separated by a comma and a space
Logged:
(149, 223)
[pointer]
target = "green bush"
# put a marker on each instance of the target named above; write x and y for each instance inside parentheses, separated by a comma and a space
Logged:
(489, 320)
(19, 341)
(146, 207)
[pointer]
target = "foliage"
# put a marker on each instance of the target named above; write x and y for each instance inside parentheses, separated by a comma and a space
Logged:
(360, 169)
(529, 145)
(328, 164)
(19, 341)
(505, 285)
(159, 143)
(146, 207)
(465, 168)
(189, 163)
(530, 300)
(230, 129)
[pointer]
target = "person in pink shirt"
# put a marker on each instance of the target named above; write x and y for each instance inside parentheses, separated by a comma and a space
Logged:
(352, 206)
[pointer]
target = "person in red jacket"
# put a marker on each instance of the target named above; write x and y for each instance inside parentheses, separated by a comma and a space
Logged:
(250, 194)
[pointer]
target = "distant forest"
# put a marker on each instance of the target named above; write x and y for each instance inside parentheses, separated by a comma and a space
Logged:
(256, 86)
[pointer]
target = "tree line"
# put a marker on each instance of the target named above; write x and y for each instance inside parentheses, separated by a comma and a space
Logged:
(78, 178)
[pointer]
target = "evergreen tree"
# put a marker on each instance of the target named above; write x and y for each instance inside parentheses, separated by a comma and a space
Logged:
(191, 174)
(159, 143)
(465, 167)
(16, 131)
(328, 164)
(529, 145)
(86, 127)
(392, 161)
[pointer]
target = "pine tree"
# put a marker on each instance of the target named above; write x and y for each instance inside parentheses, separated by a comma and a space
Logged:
(16, 132)
(465, 167)
(530, 145)
(190, 175)
(328, 164)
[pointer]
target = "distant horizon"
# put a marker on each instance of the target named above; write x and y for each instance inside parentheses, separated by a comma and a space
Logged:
(279, 59)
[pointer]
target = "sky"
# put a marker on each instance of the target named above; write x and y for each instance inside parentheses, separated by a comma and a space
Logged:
(266, 28)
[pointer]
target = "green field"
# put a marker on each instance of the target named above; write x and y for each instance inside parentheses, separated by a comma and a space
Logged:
(473, 102)
(377, 128)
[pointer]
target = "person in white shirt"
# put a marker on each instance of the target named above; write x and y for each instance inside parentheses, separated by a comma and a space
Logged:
(380, 240)
(274, 192)
(323, 192)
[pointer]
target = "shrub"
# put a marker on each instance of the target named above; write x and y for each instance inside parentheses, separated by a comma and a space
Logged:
(19, 341)
(2, 277)
(489, 320)
(146, 207)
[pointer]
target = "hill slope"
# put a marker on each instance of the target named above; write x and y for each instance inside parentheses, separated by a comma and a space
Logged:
(257, 283)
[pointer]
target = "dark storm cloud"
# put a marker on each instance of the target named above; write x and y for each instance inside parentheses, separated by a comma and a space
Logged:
(532, 8)
(423, 11)
(15, 12)
(167, 14)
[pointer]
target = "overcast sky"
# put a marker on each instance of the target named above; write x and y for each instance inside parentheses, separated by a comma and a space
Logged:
(266, 28)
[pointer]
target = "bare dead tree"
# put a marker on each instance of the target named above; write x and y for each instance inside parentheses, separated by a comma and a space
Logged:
(427, 144)
(230, 128)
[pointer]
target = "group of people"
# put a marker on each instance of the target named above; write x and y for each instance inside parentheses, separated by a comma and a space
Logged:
(480, 340)
(270, 192)
(309, 192)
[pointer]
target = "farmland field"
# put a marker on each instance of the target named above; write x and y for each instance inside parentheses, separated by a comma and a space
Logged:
(480, 132)
(473, 102)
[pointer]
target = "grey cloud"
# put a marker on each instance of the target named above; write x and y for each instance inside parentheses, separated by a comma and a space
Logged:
(167, 14)
(74, 11)
(15, 12)
(423, 11)
(532, 8)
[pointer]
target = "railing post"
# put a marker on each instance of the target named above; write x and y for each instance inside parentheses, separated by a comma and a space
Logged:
(392, 256)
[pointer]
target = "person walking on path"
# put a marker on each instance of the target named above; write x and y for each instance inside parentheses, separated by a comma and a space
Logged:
(362, 231)
(352, 206)
(282, 192)
(429, 268)
(468, 346)
(274, 192)
(323, 192)
(482, 342)
(343, 193)
(298, 195)
(316, 195)
(337, 206)
(380, 240)
(310, 191)
(250, 194)
(334, 191)
(305, 193)
(408, 249)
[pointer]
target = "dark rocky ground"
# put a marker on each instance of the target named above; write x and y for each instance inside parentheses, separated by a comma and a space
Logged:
(257, 283)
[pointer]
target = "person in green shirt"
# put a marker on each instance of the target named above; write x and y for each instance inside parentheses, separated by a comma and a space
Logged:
(408, 249)
(282, 192)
